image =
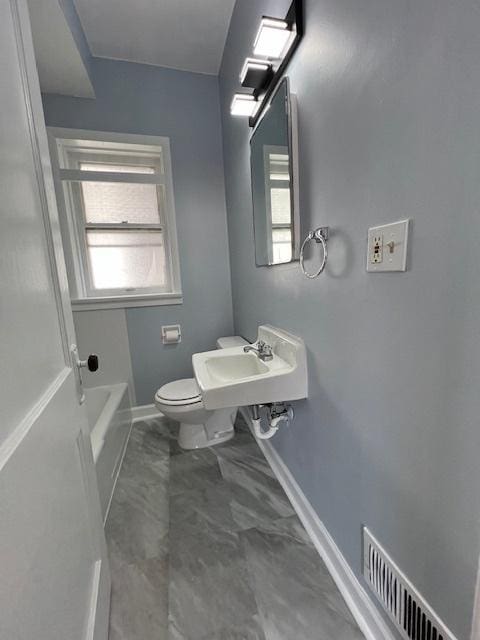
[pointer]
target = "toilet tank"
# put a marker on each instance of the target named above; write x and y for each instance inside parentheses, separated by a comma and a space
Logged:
(231, 341)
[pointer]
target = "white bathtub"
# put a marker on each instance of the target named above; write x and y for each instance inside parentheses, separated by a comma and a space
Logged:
(110, 419)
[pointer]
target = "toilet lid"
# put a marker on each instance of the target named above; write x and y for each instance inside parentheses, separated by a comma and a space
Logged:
(184, 391)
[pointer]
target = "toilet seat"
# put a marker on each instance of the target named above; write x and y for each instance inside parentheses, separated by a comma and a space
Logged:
(181, 401)
(179, 393)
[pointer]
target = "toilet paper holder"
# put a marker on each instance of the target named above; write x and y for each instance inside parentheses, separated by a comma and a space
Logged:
(171, 334)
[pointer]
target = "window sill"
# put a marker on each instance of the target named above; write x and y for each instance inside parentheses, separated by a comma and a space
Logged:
(123, 302)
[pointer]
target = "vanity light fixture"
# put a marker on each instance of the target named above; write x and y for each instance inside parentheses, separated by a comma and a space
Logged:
(256, 74)
(243, 104)
(275, 43)
(274, 38)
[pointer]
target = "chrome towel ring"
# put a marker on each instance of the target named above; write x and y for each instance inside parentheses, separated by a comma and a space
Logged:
(320, 235)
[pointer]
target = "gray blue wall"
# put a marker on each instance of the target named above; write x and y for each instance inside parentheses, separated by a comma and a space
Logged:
(142, 99)
(78, 34)
(389, 124)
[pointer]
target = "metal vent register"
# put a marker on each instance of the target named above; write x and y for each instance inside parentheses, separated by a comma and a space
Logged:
(408, 610)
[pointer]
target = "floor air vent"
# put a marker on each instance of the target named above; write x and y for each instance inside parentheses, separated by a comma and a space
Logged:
(408, 610)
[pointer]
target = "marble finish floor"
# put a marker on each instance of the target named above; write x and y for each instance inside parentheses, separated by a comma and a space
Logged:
(204, 545)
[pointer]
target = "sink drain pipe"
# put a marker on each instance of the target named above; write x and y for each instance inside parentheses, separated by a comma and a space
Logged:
(274, 419)
(256, 421)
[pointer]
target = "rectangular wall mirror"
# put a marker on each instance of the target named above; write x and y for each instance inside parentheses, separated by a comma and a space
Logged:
(273, 161)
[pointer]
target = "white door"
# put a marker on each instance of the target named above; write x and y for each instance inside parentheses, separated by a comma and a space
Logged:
(54, 576)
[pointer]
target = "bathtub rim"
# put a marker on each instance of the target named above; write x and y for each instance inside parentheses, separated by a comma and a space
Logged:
(99, 430)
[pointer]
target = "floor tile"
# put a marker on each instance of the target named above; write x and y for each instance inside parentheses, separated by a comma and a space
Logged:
(250, 629)
(137, 530)
(256, 496)
(215, 595)
(205, 507)
(139, 602)
(245, 452)
(191, 470)
(205, 545)
(137, 536)
(209, 587)
(296, 595)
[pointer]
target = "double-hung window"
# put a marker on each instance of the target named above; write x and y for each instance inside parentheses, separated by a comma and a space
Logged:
(116, 200)
(278, 203)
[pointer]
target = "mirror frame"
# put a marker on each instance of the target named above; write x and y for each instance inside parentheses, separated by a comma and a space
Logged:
(292, 124)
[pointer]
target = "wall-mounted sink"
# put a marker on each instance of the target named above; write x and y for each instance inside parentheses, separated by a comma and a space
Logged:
(234, 367)
(231, 377)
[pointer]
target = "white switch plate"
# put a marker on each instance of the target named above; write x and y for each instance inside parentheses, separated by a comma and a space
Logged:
(387, 247)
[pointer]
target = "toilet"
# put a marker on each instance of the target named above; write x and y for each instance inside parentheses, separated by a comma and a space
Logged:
(181, 401)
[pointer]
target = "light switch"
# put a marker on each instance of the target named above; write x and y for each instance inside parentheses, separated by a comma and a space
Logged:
(387, 247)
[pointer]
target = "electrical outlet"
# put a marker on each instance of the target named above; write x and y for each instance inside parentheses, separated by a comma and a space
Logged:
(376, 255)
(387, 247)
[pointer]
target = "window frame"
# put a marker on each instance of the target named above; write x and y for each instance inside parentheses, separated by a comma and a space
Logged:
(270, 183)
(74, 226)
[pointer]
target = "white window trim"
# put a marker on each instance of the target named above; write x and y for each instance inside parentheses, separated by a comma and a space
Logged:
(69, 221)
(269, 184)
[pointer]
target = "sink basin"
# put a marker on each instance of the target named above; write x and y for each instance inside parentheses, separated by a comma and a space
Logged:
(235, 367)
(233, 378)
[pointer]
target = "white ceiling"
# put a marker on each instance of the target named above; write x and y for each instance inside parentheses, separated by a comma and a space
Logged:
(60, 66)
(181, 34)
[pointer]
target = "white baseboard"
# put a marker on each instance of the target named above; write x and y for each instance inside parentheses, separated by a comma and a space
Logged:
(145, 412)
(363, 610)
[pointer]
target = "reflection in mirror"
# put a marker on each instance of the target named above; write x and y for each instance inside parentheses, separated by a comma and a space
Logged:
(272, 157)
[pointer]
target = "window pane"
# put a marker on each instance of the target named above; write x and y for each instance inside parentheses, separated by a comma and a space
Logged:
(282, 245)
(279, 169)
(126, 259)
(130, 158)
(115, 168)
(122, 202)
(280, 203)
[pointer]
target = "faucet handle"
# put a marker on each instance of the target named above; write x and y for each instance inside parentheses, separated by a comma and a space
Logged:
(265, 351)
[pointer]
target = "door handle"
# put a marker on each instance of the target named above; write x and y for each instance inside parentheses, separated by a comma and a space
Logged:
(91, 363)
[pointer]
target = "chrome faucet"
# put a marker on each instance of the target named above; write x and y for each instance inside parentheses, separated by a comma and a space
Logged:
(263, 350)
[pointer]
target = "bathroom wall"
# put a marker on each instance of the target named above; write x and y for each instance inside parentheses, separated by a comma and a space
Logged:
(143, 99)
(389, 127)
(105, 333)
(78, 34)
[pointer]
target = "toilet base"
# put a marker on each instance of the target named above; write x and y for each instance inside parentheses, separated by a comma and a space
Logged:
(218, 428)
(193, 436)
